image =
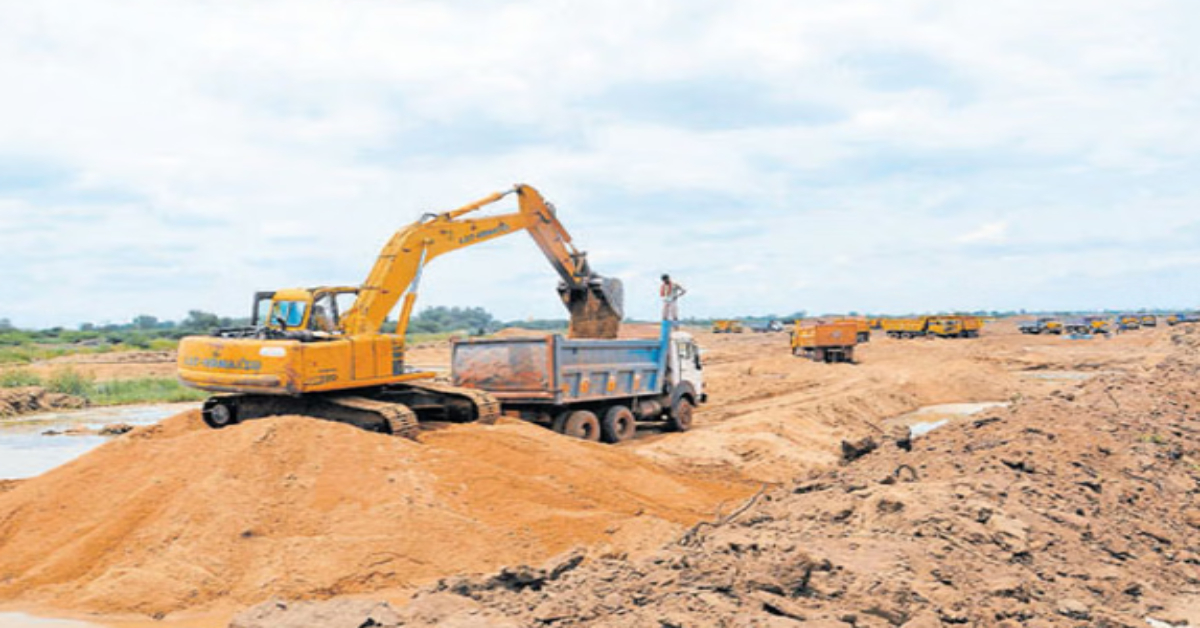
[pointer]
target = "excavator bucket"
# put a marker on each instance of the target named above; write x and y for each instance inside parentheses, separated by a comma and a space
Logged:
(597, 310)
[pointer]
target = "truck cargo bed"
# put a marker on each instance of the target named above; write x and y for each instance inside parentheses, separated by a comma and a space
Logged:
(557, 370)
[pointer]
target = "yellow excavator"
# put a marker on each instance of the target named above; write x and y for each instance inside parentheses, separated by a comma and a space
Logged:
(320, 351)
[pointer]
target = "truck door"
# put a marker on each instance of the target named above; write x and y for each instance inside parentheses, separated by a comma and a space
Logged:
(690, 367)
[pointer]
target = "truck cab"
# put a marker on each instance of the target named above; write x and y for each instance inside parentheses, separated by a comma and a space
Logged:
(684, 368)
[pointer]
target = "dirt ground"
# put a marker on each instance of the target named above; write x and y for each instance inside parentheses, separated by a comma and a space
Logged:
(31, 399)
(194, 521)
(108, 366)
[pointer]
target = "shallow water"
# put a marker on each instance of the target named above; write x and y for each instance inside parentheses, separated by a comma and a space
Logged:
(925, 420)
(21, 620)
(1074, 376)
(25, 452)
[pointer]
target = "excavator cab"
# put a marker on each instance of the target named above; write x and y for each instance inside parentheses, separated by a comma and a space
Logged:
(316, 310)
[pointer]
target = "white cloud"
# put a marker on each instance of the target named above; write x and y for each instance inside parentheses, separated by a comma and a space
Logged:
(990, 233)
(237, 147)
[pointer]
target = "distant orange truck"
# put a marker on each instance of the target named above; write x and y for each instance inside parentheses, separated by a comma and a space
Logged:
(825, 342)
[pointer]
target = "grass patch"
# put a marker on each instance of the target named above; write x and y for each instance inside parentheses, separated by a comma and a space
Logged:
(108, 393)
(16, 378)
(68, 381)
(143, 390)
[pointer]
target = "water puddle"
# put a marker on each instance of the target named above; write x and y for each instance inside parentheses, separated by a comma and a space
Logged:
(925, 420)
(21, 620)
(1072, 376)
(25, 452)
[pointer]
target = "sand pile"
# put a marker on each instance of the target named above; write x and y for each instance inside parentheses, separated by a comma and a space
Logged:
(177, 516)
(773, 416)
(30, 399)
(1077, 508)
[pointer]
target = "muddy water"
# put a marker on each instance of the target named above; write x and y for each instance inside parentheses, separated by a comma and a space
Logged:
(924, 420)
(1070, 376)
(21, 620)
(26, 452)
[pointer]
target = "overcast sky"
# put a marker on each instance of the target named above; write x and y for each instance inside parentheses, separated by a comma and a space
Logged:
(775, 155)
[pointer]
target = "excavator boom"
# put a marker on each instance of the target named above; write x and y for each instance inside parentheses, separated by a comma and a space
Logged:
(595, 301)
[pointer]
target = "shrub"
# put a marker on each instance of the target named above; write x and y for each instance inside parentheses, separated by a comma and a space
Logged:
(70, 382)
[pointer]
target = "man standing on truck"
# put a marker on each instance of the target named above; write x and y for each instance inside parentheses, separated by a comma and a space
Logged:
(670, 293)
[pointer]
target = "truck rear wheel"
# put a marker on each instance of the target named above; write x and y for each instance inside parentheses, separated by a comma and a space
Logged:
(618, 425)
(680, 419)
(582, 424)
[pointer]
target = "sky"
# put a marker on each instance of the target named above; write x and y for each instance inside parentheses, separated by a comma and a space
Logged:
(772, 155)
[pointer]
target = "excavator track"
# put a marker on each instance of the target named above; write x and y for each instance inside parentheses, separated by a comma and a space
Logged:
(400, 419)
(395, 411)
(487, 408)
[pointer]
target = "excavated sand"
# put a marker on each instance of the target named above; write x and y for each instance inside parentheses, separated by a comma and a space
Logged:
(1072, 508)
(178, 516)
(32, 399)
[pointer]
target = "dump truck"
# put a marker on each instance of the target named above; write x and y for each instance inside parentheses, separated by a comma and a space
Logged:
(1043, 325)
(969, 326)
(1149, 320)
(1129, 322)
(825, 342)
(321, 352)
(1176, 319)
(862, 325)
(589, 389)
(768, 327)
(923, 327)
(727, 326)
(1085, 325)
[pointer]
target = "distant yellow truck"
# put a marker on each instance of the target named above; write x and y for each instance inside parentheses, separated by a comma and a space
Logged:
(1129, 322)
(1149, 320)
(944, 326)
(727, 326)
(862, 326)
(825, 342)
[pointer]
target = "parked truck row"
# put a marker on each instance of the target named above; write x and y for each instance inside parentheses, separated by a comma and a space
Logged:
(941, 326)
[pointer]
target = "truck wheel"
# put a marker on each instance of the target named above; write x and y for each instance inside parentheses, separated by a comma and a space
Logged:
(680, 419)
(582, 424)
(559, 421)
(618, 425)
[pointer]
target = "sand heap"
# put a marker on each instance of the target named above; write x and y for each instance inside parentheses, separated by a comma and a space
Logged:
(30, 399)
(178, 516)
(1078, 508)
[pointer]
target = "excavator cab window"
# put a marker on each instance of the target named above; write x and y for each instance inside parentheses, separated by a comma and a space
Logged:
(288, 314)
(324, 314)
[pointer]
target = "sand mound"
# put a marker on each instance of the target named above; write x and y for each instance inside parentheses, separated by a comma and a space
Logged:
(177, 516)
(30, 399)
(1076, 508)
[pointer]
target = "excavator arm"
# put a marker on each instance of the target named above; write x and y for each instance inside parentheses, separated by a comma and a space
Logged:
(594, 302)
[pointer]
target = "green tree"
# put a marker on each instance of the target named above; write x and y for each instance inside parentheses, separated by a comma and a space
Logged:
(198, 320)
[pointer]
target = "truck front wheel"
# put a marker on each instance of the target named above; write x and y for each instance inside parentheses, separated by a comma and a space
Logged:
(582, 424)
(618, 425)
(681, 415)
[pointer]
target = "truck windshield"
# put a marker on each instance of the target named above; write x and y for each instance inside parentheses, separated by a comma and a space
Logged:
(288, 314)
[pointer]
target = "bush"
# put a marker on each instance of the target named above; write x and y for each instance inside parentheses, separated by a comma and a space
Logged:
(68, 381)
